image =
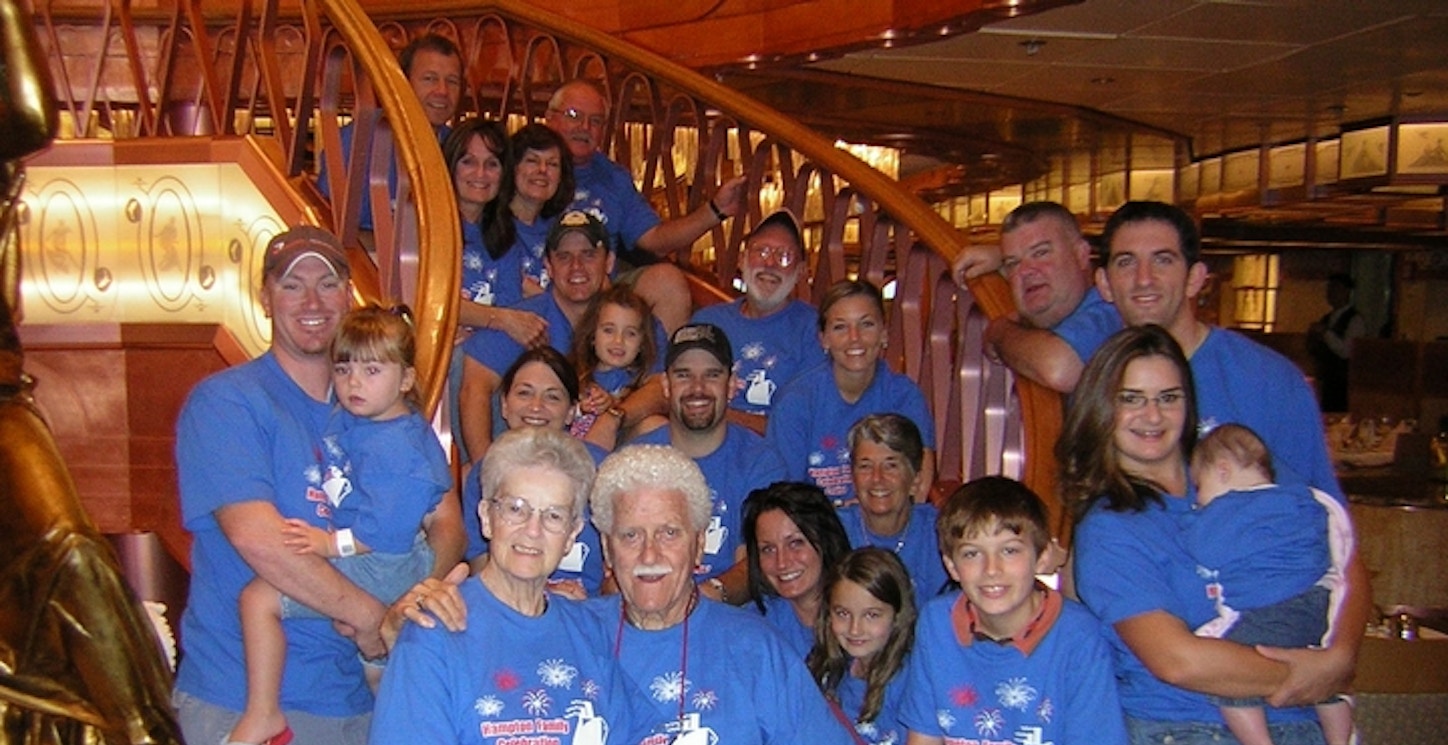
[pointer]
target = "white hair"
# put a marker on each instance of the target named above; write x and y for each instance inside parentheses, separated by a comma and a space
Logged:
(649, 467)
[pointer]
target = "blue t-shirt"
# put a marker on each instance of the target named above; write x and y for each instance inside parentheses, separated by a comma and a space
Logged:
(1241, 381)
(1131, 563)
(1261, 545)
(768, 352)
(582, 563)
(723, 671)
(1057, 688)
(1089, 326)
(886, 728)
(798, 637)
(606, 190)
(741, 464)
(486, 280)
(507, 678)
(810, 424)
(386, 477)
(529, 245)
(245, 434)
(916, 545)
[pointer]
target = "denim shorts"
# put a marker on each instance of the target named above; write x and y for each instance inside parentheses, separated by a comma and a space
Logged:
(383, 576)
(1299, 621)
(1152, 732)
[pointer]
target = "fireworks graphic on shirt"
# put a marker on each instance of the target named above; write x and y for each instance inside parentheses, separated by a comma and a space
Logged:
(945, 719)
(537, 702)
(590, 689)
(867, 731)
(1046, 710)
(1015, 693)
(752, 351)
(964, 696)
(472, 260)
(488, 706)
(505, 680)
(989, 723)
(556, 673)
(816, 458)
(669, 687)
(313, 474)
(334, 450)
(705, 700)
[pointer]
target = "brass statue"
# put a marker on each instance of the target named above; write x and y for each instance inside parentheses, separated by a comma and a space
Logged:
(79, 659)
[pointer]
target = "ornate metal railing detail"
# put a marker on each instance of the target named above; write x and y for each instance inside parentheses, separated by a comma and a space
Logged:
(295, 81)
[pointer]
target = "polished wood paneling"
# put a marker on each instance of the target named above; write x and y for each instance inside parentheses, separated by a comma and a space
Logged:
(111, 394)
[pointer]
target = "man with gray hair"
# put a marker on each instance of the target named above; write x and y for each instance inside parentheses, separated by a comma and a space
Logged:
(713, 673)
(1060, 317)
(774, 334)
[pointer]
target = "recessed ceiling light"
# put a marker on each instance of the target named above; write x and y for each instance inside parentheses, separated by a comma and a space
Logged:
(1032, 46)
(1103, 80)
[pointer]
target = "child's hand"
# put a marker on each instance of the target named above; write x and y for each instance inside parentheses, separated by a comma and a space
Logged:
(305, 538)
(595, 400)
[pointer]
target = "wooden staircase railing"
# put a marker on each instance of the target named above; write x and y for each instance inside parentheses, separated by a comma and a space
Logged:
(297, 79)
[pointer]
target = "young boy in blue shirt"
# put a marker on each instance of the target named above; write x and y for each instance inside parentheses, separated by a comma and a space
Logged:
(1006, 659)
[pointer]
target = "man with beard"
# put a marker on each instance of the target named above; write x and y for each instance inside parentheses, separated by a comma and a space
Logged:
(1060, 318)
(774, 335)
(735, 461)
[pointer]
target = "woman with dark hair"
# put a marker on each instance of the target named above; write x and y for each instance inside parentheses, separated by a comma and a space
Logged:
(539, 189)
(1123, 454)
(540, 390)
(810, 420)
(862, 641)
(792, 537)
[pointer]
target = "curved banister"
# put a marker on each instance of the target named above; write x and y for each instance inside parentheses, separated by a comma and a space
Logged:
(437, 251)
(1038, 406)
(857, 219)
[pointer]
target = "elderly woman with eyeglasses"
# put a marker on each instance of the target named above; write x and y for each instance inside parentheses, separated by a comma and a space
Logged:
(529, 662)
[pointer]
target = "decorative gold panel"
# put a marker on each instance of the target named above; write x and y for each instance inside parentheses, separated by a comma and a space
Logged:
(146, 244)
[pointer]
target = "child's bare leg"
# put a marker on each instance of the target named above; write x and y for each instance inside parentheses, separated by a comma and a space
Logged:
(1248, 724)
(266, 655)
(1336, 719)
(373, 674)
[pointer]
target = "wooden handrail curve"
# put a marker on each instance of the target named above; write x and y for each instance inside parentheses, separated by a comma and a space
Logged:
(299, 79)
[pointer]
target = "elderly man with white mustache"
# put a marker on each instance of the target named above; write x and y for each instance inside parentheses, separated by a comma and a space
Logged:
(707, 667)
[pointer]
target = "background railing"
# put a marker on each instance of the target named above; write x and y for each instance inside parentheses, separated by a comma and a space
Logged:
(295, 81)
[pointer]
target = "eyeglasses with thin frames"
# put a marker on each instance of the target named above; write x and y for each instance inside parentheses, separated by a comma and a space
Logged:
(517, 511)
(783, 257)
(576, 116)
(1136, 400)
